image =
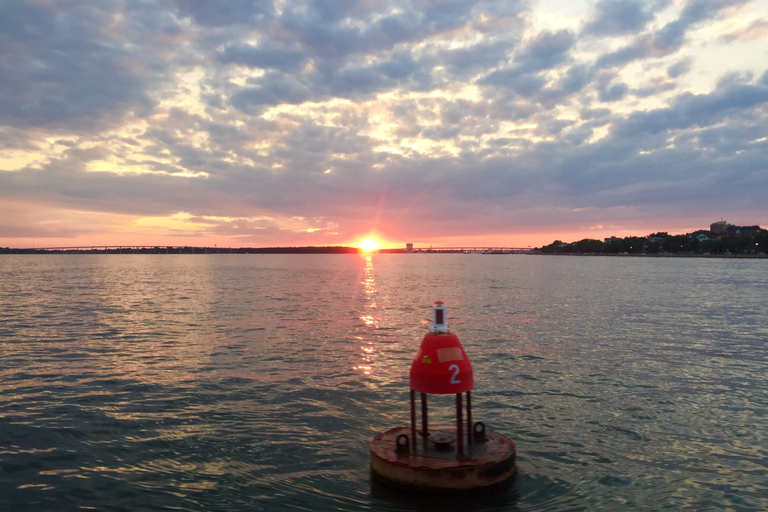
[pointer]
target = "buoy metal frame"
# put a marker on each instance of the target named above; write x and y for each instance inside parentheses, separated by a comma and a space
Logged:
(424, 432)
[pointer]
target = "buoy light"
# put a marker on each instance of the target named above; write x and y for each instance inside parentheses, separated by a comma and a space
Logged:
(438, 316)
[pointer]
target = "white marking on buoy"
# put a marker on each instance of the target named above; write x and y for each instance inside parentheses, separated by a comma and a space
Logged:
(455, 369)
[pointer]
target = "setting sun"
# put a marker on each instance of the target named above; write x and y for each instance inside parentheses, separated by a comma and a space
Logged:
(369, 245)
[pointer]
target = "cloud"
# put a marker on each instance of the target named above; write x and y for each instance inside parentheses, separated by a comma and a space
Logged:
(696, 110)
(224, 12)
(680, 67)
(267, 56)
(271, 89)
(614, 92)
(694, 12)
(525, 76)
(57, 68)
(669, 38)
(545, 51)
(644, 47)
(758, 29)
(470, 60)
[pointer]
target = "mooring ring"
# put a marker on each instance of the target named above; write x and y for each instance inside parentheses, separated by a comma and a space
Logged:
(403, 444)
(478, 431)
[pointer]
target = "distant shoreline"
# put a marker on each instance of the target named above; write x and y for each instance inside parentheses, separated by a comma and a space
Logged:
(183, 250)
(342, 250)
(660, 255)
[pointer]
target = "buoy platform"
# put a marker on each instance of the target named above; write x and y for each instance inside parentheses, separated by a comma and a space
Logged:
(443, 457)
(487, 462)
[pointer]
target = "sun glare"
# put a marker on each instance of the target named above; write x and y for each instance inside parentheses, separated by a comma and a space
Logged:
(369, 245)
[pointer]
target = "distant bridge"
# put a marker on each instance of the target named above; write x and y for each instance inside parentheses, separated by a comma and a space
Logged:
(468, 248)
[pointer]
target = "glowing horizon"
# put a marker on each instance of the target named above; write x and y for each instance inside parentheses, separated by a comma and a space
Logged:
(523, 241)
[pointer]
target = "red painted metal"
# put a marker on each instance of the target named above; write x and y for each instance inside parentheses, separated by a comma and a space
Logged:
(441, 367)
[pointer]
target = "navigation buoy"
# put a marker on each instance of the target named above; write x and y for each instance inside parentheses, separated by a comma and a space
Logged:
(442, 457)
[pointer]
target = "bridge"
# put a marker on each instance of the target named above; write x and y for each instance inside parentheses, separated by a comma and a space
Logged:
(472, 249)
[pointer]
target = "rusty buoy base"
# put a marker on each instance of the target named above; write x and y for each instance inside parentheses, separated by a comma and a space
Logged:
(488, 463)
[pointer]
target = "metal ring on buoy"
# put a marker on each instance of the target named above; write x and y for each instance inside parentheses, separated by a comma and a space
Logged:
(478, 431)
(403, 444)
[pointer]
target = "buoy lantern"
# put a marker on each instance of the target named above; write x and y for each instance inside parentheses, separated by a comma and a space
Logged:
(449, 456)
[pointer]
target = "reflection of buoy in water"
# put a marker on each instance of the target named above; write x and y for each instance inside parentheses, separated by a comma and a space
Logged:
(448, 456)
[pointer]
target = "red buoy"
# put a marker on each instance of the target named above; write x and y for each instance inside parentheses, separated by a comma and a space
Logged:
(441, 366)
(481, 458)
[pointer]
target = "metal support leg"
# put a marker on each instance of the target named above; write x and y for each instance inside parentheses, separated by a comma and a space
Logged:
(459, 426)
(424, 421)
(413, 421)
(469, 418)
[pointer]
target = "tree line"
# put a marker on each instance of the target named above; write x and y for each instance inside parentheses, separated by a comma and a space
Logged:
(692, 243)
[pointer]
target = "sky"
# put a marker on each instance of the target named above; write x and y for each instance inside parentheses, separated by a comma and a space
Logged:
(243, 123)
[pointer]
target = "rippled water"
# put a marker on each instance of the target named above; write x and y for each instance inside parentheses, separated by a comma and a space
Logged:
(252, 382)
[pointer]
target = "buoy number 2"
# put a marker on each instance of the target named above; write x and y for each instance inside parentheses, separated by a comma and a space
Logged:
(455, 369)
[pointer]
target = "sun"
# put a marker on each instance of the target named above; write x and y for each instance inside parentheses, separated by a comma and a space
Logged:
(369, 245)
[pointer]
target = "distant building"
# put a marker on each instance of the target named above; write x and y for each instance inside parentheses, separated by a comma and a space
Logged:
(611, 240)
(700, 235)
(719, 227)
(742, 230)
(408, 247)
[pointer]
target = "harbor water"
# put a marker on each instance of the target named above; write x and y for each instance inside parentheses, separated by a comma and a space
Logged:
(255, 382)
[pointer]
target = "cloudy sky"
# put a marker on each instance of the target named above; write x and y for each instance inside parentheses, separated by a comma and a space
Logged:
(265, 123)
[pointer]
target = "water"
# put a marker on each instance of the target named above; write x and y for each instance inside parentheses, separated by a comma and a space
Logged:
(252, 382)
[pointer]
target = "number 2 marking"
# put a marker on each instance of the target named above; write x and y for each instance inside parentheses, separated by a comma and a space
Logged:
(455, 369)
